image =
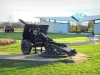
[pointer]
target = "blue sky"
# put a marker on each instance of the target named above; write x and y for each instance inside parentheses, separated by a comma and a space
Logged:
(27, 9)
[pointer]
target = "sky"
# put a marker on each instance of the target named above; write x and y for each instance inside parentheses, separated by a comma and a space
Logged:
(12, 10)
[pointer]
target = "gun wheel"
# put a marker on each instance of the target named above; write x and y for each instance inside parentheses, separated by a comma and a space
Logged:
(26, 47)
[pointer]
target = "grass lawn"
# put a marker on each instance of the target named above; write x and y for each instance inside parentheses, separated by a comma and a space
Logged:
(25, 68)
(71, 40)
(17, 35)
(60, 38)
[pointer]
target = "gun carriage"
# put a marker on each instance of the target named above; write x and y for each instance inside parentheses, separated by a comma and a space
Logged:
(36, 36)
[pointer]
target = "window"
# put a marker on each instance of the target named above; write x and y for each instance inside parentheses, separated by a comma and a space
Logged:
(97, 21)
(64, 21)
(73, 23)
(85, 23)
(47, 20)
(58, 21)
(52, 20)
(79, 16)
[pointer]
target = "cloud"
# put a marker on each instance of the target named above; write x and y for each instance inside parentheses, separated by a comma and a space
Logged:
(48, 7)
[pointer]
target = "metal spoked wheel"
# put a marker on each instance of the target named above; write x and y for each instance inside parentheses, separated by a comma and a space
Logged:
(26, 47)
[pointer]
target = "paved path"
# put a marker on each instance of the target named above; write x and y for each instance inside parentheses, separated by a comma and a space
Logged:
(92, 39)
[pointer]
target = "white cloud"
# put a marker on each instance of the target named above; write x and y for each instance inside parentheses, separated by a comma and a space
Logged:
(32, 8)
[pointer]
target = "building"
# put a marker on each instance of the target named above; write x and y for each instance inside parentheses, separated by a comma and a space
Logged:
(63, 24)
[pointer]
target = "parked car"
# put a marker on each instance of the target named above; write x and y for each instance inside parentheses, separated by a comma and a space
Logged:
(9, 29)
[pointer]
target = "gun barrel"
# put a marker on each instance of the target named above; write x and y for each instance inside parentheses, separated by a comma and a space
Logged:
(22, 21)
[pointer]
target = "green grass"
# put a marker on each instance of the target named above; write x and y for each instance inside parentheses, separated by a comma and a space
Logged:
(71, 40)
(28, 68)
(59, 68)
(12, 48)
(60, 38)
(67, 38)
(17, 35)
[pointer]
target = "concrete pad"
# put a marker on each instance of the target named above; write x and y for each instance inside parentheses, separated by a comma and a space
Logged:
(35, 58)
(79, 58)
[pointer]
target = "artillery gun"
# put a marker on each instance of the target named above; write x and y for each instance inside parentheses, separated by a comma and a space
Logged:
(36, 36)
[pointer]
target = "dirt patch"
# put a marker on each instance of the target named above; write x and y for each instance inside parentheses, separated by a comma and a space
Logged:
(4, 42)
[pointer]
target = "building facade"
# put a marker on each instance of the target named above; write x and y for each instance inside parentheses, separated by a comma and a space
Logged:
(62, 24)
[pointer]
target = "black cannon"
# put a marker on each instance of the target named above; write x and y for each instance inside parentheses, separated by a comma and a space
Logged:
(36, 36)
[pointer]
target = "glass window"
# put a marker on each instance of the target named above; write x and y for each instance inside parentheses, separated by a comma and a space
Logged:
(58, 21)
(64, 21)
(79, 16)
(73, 23)
(97, 21)
(85, 23)
(47, 20)
(52, 20)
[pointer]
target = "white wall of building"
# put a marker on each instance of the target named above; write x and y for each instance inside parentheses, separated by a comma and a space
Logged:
(86, 18)
(51, 25)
